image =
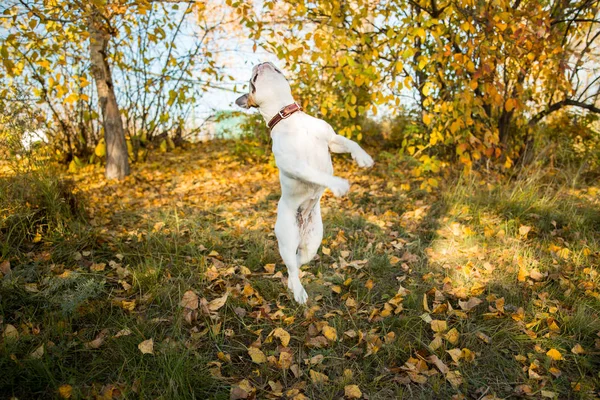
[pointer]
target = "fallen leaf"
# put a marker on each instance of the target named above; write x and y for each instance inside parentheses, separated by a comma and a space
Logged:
(282, 335)
(38, 353)
(330, 333)
(470, 304)
(456, 354)
(217, 303)
(98, 341)
(147, 346)
(455, 378)
(123, 332)
(65, 391)
(285, 360)
(524, 230)
(257, 355)
(439, 326)
(536, 275)
(317, 377)
(554, 354)
(10, 332)
(452, 336)
(189, 300)
(438, 363)
(241, 391)
(578, 349)
(5, 267)
(352, 392)
(482, 336)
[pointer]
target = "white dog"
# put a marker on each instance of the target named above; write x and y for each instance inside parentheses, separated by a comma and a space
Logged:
(301, 146)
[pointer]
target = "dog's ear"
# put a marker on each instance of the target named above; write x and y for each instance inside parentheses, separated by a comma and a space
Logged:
(245, 101)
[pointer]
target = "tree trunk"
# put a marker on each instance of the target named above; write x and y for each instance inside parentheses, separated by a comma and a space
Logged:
(117, 164)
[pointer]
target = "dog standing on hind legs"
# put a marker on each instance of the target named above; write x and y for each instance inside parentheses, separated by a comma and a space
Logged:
(301, 146)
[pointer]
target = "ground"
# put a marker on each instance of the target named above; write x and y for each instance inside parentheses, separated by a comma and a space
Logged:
(169, 285)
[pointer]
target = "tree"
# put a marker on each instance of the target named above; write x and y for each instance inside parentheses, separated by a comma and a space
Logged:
(117, 164)
(481, 74)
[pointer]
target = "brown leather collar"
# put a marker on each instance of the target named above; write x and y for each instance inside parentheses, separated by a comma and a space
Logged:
(284, 113)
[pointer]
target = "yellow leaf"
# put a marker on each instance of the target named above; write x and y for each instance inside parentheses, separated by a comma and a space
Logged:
(578, 349)
(452, 336)
(330, 333)
(523, 274)
(456, 354)
(426, 118)
(285, 360)
(317, 377)
(147, 346)
(524, 230)
(282, 335)
(72, 98)
(100, 149)
(65, 391)
(554, 354)
(257, 355)
(352, 392)
(439, 326)
(37, 238)
(509, 105)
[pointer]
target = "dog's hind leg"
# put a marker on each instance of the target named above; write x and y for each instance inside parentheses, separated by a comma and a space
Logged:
(288, 238)
(311, 236)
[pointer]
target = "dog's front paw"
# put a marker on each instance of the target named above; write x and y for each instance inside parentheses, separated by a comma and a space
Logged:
(363, 159)
(297, 289)
(339, 186)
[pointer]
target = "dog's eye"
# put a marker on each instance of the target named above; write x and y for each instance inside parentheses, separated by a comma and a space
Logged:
(254, 79)
(252, 88)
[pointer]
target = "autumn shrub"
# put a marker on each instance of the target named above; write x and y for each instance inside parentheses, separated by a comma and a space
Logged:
(34, 204)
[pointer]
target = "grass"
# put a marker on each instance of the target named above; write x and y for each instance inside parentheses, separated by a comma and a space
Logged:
(95, 256)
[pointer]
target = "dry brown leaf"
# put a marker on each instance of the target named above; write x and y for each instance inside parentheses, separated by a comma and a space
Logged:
(98, 341)
(242, 390)
(217, 303)
(38, 353)
(438, 363)
(189, 300)
(10, 332)
(470, 304)
(5, 267)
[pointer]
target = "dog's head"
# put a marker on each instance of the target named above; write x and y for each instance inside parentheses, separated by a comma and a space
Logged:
(266, 84)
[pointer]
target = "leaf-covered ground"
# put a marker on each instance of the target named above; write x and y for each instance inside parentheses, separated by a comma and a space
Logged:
(170, 286)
